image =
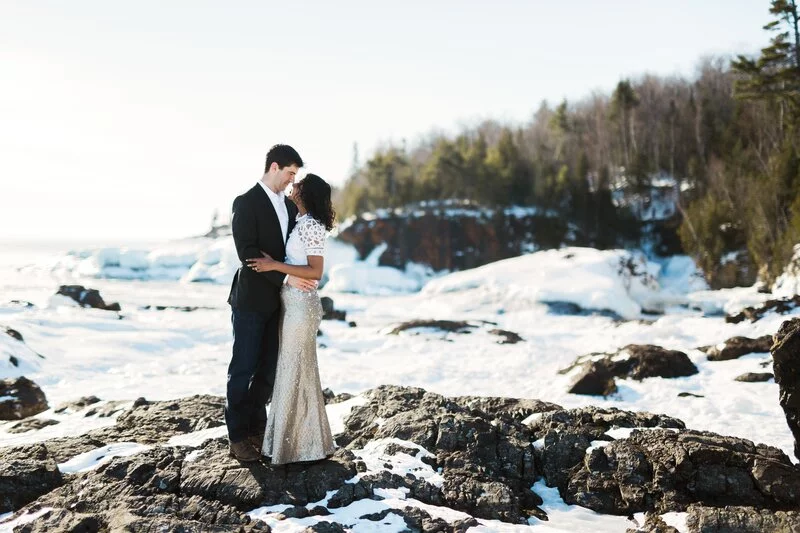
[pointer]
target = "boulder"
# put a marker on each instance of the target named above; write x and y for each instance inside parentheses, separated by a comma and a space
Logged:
(780, 306)
(634, 361)
(12, 333)
(76, 405)
(154, 422)
(26, 472)
(487, 461)
(736, 347)
(31, 424)
(733, 519)
(138, 493)
(87, 297)
(20, 398)
(329, 312)
(662, 470)
(754, 377)
(786, 367)
(567, 433)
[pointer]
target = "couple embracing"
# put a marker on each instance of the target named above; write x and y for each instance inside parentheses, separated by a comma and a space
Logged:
(276, 311)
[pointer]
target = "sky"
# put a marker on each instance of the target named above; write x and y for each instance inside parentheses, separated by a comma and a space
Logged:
(137, 120)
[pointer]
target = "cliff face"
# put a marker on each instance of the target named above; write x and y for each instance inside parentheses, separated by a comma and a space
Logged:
(455, 238)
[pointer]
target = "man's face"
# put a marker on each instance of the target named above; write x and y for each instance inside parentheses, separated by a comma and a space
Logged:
(286, 176)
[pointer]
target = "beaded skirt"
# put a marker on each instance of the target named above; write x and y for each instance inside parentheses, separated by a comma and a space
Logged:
(297, 425)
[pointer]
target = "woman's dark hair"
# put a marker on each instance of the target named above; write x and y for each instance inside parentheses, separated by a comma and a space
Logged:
(315, 194)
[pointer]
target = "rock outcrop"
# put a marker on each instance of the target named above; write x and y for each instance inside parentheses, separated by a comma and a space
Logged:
(87, 297)
(634, 361)
(455, 237)
(786, 367)
(26, 472)
(736, 347)
(478, 455)
(20, 398)
(780, 306)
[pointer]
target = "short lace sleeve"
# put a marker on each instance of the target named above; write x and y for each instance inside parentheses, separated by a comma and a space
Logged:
(312, 234)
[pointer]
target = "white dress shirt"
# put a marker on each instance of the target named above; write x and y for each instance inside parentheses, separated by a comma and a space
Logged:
(279, 204)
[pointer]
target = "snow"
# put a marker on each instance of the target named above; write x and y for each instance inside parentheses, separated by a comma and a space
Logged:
(170, 354)
(199, 259)
(367, 277)
(94, 458)
(589, 278)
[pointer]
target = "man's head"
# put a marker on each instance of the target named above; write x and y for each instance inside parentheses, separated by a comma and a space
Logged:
(281, 167)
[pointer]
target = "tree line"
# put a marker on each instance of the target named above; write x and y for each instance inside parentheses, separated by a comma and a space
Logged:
(727, 136)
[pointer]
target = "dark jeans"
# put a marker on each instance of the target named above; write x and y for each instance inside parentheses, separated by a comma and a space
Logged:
(251, 373)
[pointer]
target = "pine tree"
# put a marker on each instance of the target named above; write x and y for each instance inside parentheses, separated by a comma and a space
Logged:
(775, 75)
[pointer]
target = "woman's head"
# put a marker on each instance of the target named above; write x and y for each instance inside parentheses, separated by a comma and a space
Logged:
(315, 196)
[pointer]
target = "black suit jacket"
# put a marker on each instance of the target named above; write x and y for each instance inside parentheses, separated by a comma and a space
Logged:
(256, 227)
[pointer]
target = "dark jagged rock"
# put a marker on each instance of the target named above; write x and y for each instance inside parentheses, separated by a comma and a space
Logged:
(731, 519)
(689, 394)
(517, 408)
(182, 308)
(634, 361)
(24, 398)
(487, 461)
(329, 312)
(487, 458)
(754, 377)
(87, 297)
(215, 475)
(661, 470)
(506, 337)
(22, 303)
(31, 424)
(329, 396)
(26, 472)
(470, 237)
(786, 367)
(568, 433)
(456, 326)
(76, 405)
(451, 326)
(418, 520)
(653, 523)
(573, 309)
(780, 306)
(138, 493)
(741, 520)
(152, 422)
(736, 347)
(325, 527)
(106, 409)
(12, 333)
(649, 361)
(595, 380)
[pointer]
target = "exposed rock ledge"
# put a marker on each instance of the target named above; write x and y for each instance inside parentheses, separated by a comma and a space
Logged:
(488, 451)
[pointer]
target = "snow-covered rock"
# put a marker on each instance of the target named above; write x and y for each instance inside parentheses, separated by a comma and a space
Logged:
(616, 280)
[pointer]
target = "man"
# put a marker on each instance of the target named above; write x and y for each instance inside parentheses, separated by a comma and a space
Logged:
(262, 220)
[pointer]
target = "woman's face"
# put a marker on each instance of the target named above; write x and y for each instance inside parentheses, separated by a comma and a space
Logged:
(295, 195)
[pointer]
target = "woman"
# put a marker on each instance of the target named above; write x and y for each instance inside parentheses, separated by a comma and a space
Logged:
(297, 427)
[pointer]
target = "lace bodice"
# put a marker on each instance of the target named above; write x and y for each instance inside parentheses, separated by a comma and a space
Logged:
(307, 238)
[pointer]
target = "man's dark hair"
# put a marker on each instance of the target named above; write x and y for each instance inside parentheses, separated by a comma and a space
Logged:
(315, 193)
(284, 155)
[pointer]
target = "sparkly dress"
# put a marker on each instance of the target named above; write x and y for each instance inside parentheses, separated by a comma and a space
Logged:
(297, 425)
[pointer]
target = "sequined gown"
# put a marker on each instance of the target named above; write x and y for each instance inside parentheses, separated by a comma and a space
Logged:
(297, 425)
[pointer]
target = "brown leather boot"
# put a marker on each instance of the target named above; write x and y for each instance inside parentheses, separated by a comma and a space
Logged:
(244, 451)
(257, 441)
